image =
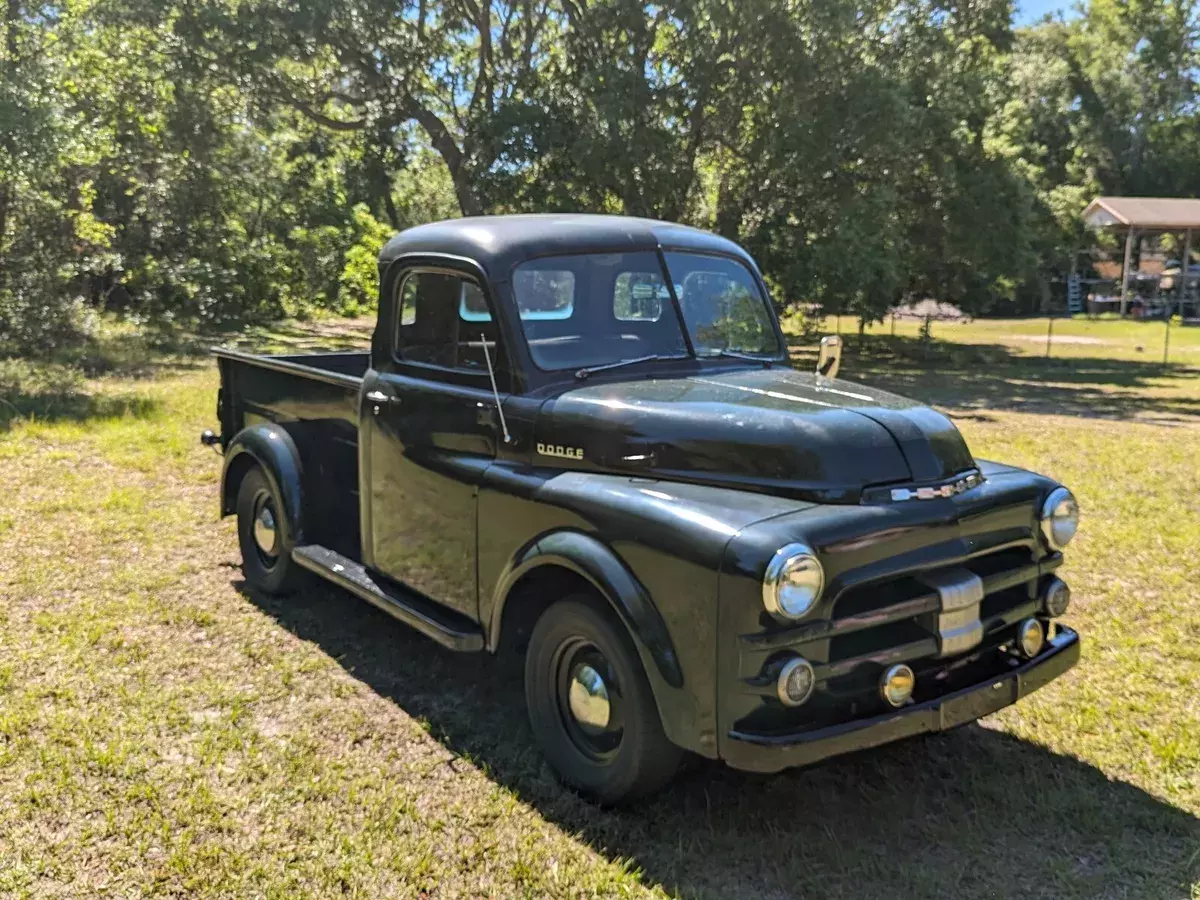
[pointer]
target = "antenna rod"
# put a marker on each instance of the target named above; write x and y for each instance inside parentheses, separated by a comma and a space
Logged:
(495, 393)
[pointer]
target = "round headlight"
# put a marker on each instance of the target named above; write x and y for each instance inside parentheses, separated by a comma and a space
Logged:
(793, 582)
(1060, 518)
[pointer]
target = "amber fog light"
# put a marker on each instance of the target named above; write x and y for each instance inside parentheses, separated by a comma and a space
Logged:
(897, 685)
(1031, 637)
(1056, 597)
(796, 681)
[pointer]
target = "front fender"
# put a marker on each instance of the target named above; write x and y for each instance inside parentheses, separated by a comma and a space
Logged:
(653, 548)
(593, 560)
(270, 446)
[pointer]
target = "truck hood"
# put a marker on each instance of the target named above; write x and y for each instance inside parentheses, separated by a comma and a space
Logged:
(773, 430)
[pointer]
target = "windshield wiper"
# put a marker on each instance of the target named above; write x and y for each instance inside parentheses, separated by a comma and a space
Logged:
(654, 357)
(734, 354)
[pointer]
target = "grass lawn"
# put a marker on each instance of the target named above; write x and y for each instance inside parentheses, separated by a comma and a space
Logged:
(1070, 338)
(164, 732)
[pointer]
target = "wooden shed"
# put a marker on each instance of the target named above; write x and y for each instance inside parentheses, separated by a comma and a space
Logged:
(1142, 216)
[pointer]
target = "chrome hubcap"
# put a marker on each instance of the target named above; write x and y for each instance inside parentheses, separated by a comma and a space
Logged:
(265, 534)
(588, 699)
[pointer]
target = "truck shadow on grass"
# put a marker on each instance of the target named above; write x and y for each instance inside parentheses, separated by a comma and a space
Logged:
(972, 813)
(55, 405)
(975, 378)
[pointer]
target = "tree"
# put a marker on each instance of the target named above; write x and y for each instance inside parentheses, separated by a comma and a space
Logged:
(445, 69)
(198, 163)
(49, 237)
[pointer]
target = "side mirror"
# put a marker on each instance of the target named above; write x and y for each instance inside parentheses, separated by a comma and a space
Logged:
(830, 357)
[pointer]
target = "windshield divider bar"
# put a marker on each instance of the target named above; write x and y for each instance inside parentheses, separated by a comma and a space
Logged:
(683, 325)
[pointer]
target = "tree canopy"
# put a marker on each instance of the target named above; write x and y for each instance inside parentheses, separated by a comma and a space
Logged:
(207, 162)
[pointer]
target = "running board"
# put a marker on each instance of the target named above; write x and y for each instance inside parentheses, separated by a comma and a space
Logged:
(447, 628)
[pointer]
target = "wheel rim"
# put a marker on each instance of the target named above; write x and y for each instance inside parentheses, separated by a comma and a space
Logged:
(266, 530)
(589, 697)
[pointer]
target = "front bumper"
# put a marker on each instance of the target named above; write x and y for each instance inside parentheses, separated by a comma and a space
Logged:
(771, 753)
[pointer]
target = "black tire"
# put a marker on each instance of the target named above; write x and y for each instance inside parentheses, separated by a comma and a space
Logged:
(631, 757)
(270, 571)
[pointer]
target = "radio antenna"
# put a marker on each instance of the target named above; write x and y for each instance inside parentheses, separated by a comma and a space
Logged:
(487, 356)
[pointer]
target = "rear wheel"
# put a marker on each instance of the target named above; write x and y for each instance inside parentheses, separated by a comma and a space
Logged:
(264, 537)
(591, 707)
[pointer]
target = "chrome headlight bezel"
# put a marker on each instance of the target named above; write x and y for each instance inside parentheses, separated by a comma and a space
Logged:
(794, 559)
(1052, 515)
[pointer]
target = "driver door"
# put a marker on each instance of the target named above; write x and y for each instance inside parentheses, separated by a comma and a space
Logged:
(431, 430)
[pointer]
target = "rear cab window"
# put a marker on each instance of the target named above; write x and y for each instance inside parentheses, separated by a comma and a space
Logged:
(596, 308)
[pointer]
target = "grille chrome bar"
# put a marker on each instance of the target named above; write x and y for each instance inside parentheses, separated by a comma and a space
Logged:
(958, 625)
(828, 628)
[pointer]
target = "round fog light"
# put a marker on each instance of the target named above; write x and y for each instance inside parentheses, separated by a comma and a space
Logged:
(1030, 638)
(796, 681)
(1056, 597)
(897, 684)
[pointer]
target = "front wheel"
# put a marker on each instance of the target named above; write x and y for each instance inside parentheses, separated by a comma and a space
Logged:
(591, 707)
(264, 537)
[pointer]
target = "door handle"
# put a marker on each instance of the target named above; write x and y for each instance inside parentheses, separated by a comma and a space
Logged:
(378, 400)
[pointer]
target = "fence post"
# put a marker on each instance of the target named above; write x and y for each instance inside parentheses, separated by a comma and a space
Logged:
(893, 323)
(1049, 335)
(1167, 337)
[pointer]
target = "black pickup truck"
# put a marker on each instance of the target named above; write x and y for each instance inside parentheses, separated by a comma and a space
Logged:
(580, 438)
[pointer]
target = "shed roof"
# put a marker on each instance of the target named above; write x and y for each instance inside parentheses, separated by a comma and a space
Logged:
(1166, 213)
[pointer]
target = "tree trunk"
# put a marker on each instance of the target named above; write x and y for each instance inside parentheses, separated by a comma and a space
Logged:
(468, 202)
(389, 206)
(728, 222)
(447, 148)
(12, 12)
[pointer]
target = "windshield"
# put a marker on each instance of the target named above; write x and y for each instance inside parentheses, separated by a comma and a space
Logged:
(595, 309)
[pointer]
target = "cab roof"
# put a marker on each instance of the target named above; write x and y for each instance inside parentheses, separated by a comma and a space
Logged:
(497, 243)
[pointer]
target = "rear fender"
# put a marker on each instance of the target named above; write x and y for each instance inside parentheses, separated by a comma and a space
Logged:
(268, 445)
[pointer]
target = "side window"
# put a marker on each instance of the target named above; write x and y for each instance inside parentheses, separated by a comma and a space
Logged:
(444, 321)
(408, 302)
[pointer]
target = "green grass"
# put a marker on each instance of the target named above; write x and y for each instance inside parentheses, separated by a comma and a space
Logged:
(163, 733)
(1073, 337)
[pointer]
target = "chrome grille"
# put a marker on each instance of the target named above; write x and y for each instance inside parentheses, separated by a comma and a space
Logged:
(941, 612)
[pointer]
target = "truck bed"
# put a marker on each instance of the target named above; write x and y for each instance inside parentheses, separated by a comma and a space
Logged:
(314, 397)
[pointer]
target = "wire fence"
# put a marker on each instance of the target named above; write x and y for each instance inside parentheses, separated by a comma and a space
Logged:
(929, 320)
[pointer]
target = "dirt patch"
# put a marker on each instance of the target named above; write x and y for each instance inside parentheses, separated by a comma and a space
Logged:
(1063, 339)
